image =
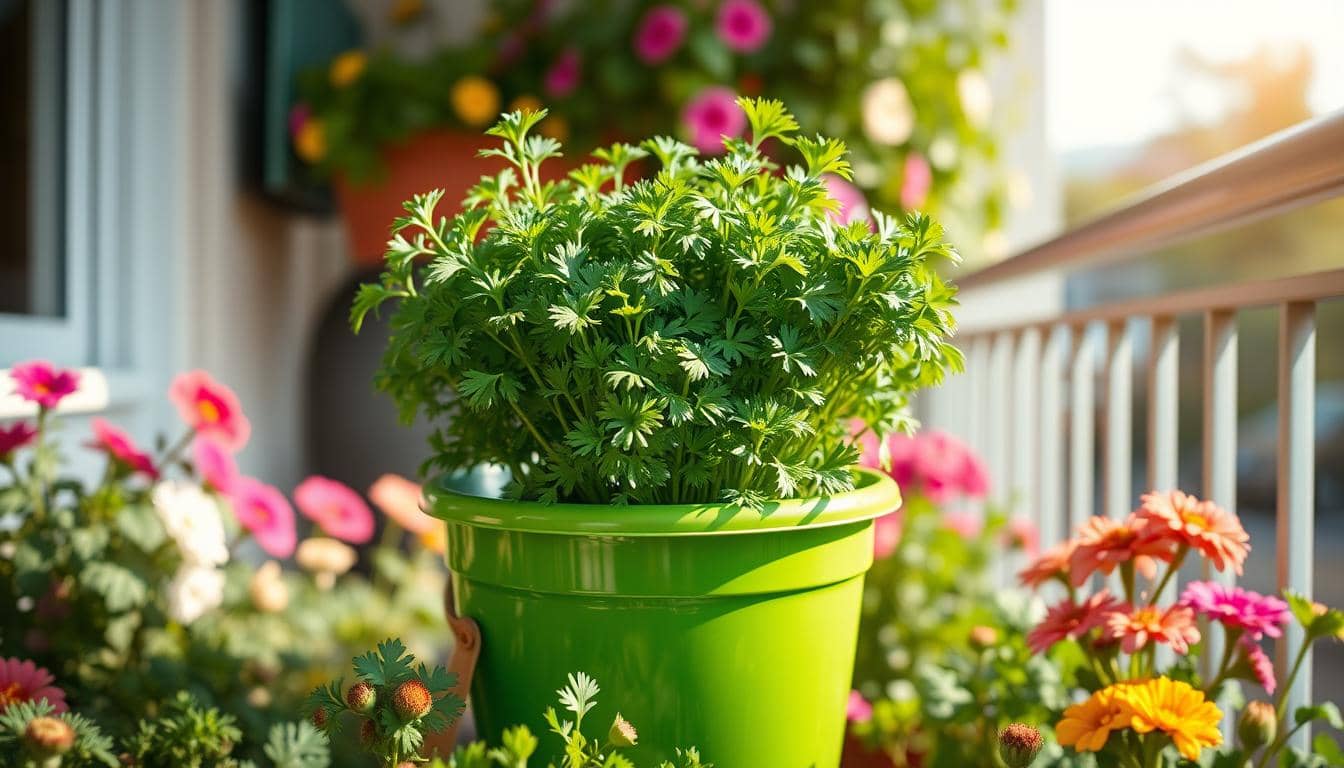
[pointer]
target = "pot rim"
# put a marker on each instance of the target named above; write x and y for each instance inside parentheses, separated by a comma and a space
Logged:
(874, 494)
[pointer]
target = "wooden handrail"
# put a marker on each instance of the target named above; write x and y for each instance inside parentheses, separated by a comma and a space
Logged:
(1290, 169)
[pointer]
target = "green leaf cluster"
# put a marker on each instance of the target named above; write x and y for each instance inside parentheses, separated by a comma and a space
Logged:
(704, 333)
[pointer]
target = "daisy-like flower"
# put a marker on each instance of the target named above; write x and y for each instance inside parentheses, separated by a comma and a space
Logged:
(711, 115)
(1103, 543)
(191, 518)
(119, 446)
(1255, 614)
(25, 681)
(1201, 525)
(194, 591)
(1262, 668)
(1067, 619)
(743, 25)
(215, 464)
(336, 508)
(1136, 627)
(401, 500)
(265, 512)
(1053, 564)
(14, 437)
(1178, 710)
(326, 559)
(1087, 725)
(660, 34)
(40, 382)
(210, 408)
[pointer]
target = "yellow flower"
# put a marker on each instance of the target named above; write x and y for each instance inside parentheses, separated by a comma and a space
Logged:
(525, 103)
(346, 68)
(311, 141)
(1176, 709)
(1086, 726)
(435, 539)
(475, 100)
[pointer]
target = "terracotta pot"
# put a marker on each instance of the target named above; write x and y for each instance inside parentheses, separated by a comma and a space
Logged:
(435, 160)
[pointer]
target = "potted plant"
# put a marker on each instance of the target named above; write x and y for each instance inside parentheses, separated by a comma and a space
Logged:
(669, 369)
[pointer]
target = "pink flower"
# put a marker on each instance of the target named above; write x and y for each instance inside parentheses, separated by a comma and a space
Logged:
(711, 115)
(964, 524)
(299, 115)
(660, 33)
(265, 512)
(15, 437)
(915, 182)
(1136, 627)
(563, 76)
(214, 463)
(858, 710)
(934, 464)
(401, 500)
(40, 382)
(1066, 619)
(1103, 543)
(1022, 533)
(853, 204)
(886, 534)
(743, 25)
(336, 508)
(1260, 664)
(1235, 608)
(210, 408)
(25, 681)
(1054, 564)
(118, 445)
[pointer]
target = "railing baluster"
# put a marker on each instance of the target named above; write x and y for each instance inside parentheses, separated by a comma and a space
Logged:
(1081, 425)
(1025, 437)
(1220, 434)
(1049, 488)
(996, 400)
(1163, 404)
(1296, 480)
(1119, 419)
(977, 359)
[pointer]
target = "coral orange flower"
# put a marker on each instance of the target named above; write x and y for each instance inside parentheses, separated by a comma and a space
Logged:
(1103, 543)
(1053, 564)
(1066, 619)
(210, 408)
(401, 500)
(1087, 725)
(1176, 709)
(1136, 627)
(1202, 525)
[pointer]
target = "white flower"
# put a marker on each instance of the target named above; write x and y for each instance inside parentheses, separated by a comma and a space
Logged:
(888, 115)
(194, 591)
(192, 519)
(977, 101)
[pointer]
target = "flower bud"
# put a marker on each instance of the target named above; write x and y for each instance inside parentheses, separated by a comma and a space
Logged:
(49, 735)
(1258, 726)
(361, 697)
(368, 733)
(622, 733)
(319, 718)
(411, 700)
(983, 637)
(1019, 744)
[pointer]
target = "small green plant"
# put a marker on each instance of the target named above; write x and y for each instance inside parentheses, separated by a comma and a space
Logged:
(704, 333)
(32, 735)
(395, 701)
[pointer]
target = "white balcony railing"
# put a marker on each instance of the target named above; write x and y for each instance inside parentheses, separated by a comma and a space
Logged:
(1029, 400)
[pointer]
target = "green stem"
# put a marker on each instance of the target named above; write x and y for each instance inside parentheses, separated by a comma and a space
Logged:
(39, 483)
(173, 451)
(1170, 574)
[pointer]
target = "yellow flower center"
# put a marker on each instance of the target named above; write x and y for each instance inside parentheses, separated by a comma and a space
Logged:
(1195, 519)
(208, 410)
(1147, 619)
(11, 694)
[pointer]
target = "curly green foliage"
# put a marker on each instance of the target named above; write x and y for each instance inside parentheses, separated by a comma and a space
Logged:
(187, 735)
(393, 735)
(91, 748)
(703, 334)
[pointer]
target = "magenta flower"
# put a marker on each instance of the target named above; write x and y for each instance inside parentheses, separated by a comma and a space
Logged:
(853, 204)
(858, 710)
(1261, 665)
(886, 534)
(214, 463)
(915, 182)
(122, 449)
(15, 437)
(743, 25)
(563, 76)
(210, 408)
(712, 115)
(299, 115)
(1235, 608)
(934, 464)
(660, 33)
(336, 508)
(265, 512)
(25, 681)
(40, 382)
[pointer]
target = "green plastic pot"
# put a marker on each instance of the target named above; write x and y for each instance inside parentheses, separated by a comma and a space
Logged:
(708, 626)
